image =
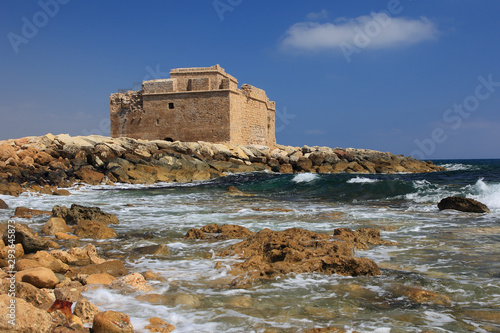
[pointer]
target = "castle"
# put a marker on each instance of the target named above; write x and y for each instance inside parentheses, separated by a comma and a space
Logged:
(195, 104)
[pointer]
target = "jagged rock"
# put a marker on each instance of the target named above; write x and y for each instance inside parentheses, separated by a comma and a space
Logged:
(85, 310)
(28, 319)
(463, 205)
(270, 254)
(220, 232)
(26, 237)
(77, 213)
(361, 238)
(112, 322)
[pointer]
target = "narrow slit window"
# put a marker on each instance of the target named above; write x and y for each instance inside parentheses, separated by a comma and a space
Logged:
(170, 106)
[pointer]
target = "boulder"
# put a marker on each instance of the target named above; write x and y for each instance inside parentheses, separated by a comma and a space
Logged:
(32, 295)
(77, 213)
(26, 237)
(61, 192)
(159, 250)
(112, 267)
(220, 232)
(28, 213)
(100, 278)
(463, 204)
(89, 176)
(6, 251)
(40, 277)
(3, 205)
(134, 281)
(28, 319)
(6, 152)
(112, 322)
(94, 229)
(55, 225)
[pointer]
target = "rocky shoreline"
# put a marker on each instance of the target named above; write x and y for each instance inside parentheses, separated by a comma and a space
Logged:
(42, 164)
(44, 275)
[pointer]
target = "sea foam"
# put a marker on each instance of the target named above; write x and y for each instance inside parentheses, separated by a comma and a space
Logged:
(304, 177)
(361, 180)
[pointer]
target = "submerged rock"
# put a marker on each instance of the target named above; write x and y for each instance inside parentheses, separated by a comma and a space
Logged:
(463, 204)
(270, 254)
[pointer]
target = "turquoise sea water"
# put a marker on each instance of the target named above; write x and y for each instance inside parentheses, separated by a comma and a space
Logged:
(451, 253)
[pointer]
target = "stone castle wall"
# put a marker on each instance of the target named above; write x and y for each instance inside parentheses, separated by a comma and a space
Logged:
(195, 104)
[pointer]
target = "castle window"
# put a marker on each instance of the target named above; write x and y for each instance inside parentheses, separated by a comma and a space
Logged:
(170, 106)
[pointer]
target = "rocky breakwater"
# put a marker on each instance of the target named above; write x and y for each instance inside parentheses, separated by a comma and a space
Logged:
(42, 164)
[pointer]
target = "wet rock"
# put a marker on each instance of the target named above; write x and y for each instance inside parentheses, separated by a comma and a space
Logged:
(26, 237)
(94, 229)
(77, 213)
(40, 277)
(85, 310)
(419, 295)
(28, 213)
(463, 205)
(270, 254)
(3, 205)
(220, 232)
(28, 319)
(112, 322)
(159, 325)
(159, 250)
(55, 225)
(361, 238)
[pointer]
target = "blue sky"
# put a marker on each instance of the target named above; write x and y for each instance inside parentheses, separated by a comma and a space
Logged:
(409, 77)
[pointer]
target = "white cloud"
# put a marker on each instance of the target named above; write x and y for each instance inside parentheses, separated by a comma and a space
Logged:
(321, 15)
(377, 30)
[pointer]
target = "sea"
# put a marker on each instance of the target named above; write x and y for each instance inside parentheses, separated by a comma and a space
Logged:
(452, 254)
